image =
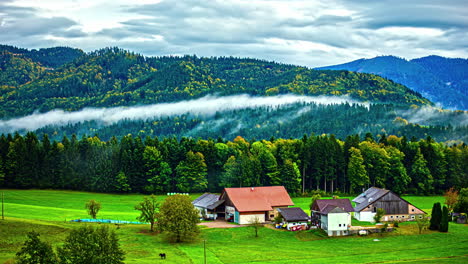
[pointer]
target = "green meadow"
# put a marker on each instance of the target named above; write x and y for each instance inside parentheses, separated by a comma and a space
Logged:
(48, 212)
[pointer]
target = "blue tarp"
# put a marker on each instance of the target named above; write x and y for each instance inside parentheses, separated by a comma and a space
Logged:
(106, 221)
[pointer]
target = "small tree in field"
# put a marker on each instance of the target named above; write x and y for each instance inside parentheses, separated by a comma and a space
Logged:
(93, 208)
(178, 218)
(35, 251)
(379, 214)
(148, 208)
(256, 224)
(444, 221)
(422, 223)
(451, 198)
(436, 216)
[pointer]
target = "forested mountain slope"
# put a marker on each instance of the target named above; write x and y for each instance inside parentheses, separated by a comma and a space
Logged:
(442, 80)
(115, 77)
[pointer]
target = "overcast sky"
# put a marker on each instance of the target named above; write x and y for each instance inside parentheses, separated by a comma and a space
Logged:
(304, 32)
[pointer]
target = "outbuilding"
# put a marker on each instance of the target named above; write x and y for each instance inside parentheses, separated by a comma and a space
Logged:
(294, 218)
(208, 204)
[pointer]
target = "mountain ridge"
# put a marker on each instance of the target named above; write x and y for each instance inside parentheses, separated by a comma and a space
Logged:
(442, 80)
(115, 77)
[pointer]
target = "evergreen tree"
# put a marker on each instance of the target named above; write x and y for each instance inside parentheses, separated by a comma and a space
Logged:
(421, 175)
(191, 173)
(444, 221)
(436, 217)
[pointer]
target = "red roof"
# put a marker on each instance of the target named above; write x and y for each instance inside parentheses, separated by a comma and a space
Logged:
(254, 199)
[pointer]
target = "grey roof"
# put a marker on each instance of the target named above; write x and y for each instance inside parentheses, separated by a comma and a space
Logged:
(368, 197)
(206, 200)
(293, 214)
(330, 209)
(216, 204)
(321, 204)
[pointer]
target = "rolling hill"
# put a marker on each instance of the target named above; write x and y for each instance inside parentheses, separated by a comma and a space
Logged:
(115, 77)
(442, 80)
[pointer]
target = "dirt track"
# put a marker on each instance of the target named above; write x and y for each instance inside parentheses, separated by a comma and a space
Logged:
(219, 224)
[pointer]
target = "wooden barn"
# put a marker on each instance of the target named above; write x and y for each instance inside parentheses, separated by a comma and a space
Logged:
(396, 208)
(242, 205)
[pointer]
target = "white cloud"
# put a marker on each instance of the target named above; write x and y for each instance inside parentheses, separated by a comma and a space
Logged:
(207, 106)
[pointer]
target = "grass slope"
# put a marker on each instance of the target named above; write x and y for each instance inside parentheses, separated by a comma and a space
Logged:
(45, 212)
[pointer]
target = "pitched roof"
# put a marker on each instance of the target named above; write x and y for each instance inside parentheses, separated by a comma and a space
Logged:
(324, 206)
(206, 200)
(331, 209)
(368, 197)
(254, 199)
(293, 214)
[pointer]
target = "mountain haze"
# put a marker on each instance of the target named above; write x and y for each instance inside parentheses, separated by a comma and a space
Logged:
(442, 80)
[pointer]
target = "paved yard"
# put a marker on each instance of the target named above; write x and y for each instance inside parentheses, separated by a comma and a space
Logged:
(219, 224)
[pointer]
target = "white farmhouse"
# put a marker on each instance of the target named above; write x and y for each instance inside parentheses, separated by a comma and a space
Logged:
(332, 215)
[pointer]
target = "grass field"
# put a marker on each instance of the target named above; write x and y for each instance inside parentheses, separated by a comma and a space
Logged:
(46, 211)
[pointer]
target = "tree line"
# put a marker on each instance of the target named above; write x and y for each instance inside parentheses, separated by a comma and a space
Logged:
(161, 165)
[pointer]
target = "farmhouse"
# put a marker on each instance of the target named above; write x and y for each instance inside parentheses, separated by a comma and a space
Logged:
(332, 215)
(208, 204)
(294, 218)
(396, 208)
(244, 204)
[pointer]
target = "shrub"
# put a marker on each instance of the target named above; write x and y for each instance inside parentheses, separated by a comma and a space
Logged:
(436, 216)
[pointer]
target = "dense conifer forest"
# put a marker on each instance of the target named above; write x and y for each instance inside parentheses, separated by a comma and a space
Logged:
(160, 165)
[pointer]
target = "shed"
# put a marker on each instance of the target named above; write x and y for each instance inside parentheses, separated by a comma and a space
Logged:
(294, 217)
(207, 204)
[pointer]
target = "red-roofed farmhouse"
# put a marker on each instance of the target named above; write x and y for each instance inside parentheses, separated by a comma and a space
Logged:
(244, 204)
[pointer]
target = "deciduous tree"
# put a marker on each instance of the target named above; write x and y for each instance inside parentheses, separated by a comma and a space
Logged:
(35, 251)
(91, 245)
(178, 218)
(148, 210)
(93, 208)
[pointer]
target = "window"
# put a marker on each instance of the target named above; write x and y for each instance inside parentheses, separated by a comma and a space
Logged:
(397, 216)
(402, 216)
(412, 217)
(412, 210)
(420, 216)
(339, 225)
(391, 216)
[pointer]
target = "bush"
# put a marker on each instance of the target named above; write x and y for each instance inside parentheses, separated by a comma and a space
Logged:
(379, 214)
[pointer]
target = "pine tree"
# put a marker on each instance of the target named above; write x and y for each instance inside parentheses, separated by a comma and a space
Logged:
(436, 216)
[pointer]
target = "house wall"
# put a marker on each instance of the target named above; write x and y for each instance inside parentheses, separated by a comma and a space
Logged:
(247, 218)
(392, 204)
(367, 216)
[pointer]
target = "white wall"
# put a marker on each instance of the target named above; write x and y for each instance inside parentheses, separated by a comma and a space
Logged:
(365, 216)
(339, 222)
(246, 219)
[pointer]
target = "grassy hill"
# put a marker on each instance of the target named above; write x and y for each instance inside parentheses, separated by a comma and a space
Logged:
(115, 77)
(234, 245)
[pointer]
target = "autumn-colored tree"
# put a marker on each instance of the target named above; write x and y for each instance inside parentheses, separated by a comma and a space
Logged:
(451, 198)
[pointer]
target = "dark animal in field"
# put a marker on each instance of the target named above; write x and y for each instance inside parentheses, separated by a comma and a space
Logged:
(162, 255)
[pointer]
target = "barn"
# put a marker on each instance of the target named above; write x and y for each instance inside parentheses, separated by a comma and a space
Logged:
(242, 205)
(396, 208)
